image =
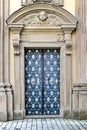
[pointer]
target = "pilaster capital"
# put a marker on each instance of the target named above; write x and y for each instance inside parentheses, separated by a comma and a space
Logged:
(16, 29)
(68, 28)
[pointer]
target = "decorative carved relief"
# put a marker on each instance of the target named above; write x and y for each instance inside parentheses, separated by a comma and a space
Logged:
(43, 16)
(56, 2)
(60, 37)
(68, 36)
(68, 43)
(16, 44)
(42, 19)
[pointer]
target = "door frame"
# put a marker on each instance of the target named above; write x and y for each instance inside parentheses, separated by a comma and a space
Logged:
(43, 45)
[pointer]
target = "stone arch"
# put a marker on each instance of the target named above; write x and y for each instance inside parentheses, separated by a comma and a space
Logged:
(30, 9)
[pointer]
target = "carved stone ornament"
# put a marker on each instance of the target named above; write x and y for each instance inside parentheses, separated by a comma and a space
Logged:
(42, 19)
(56, 2)
(16, 44)
(60, 37)
(43, 16)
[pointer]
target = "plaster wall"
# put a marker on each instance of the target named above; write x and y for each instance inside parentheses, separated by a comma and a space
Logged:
(14, 5)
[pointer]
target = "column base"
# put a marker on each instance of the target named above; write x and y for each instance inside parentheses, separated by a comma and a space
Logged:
(80, 101)
(81, 115)
(3, 116)
(3, 103)
(18, 114)
(9, 93)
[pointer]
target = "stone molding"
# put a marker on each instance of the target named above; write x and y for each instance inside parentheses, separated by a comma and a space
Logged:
(27, 10)
(84, 84)
(6, 87)
(54, 2)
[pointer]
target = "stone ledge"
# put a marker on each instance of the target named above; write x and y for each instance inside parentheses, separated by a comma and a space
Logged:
(81, 84)
(81, 115)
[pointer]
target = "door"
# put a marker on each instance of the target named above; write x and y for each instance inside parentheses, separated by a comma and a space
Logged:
(42, 81)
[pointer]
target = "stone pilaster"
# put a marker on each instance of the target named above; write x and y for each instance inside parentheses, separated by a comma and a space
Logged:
(6, 65)
(3, 99)
(81, 45)
(68, 71)
(16, 45)
(9, 93)
(80, 88)
(68, 44)
(80, 101)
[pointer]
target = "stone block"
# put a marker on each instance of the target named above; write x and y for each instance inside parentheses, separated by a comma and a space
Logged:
(18, 114)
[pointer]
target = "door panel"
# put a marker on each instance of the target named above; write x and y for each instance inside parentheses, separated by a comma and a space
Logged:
(51, 81)
(33, 82)
(42, 81)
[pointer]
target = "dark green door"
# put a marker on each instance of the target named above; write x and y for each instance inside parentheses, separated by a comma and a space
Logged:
(42, 81)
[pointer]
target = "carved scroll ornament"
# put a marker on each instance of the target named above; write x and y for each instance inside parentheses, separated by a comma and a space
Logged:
(16, 45)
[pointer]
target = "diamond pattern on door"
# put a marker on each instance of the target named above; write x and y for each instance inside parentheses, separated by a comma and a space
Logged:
(42, 81)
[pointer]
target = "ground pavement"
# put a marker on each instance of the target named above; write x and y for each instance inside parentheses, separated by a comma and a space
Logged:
(44, 124)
